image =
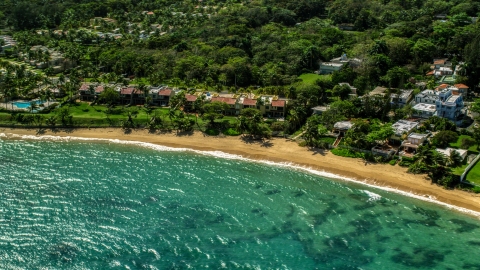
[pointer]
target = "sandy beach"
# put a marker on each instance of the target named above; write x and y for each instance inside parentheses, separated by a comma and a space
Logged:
(283, 150)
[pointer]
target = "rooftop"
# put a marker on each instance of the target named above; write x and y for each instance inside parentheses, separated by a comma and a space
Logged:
(278, 103)
(417, 136)
(448, 150)
(190, 98)
(379, 90)
(403, 126)
(165, 92)
(249, 102)
(424, 107)
(343, 125)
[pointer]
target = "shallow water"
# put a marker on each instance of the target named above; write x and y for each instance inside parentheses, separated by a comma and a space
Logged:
(85, 205)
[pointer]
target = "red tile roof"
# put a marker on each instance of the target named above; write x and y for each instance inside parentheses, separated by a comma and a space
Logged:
(249, 102)
(461, 86)
(278, 103)
(127, 90)
(443, 86)
(84, 87)
(99, 89)
(190, 98)
(229, 101)
(150, 13)
(165, 92)
(430, 73)
(439, 62)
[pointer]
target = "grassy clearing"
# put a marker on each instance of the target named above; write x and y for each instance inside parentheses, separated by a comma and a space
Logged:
(311, 78)
(458, 143)
(85, 115)
(473, 175)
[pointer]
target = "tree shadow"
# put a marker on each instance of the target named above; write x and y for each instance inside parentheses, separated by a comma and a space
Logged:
(41, 131)
(317, 151)
(184, 133)
(62, 129)
(247, 139)
(127, 131)
(266, 144)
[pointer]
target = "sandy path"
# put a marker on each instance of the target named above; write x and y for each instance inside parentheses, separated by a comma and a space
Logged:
(283, 150)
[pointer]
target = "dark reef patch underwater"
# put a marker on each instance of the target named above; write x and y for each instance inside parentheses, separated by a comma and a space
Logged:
(77, 205)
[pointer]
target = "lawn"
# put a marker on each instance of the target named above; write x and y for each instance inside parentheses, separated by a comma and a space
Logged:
(473, 175)
(458, 143)
(97, 116)
(311, 78)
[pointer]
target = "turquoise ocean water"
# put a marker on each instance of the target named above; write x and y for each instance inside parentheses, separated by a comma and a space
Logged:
(94, 205)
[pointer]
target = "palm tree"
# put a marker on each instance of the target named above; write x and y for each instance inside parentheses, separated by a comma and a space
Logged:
(33, 106)
(454, 159)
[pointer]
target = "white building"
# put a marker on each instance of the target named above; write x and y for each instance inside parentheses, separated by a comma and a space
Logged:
(447, 151)
(424, 110)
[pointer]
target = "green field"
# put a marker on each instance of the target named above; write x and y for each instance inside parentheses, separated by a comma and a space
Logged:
(473, 175)
(85, 115)
(311, 78)
(457, 144)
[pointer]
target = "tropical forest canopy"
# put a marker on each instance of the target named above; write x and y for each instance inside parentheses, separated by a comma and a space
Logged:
(263, 43)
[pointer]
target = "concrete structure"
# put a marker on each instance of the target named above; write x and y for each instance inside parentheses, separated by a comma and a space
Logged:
(449, 105)
(352, 62)
(353, 92)
(9, 43)
(411, 144)
(402, 128)
(426, 96)
(342, 127)
(320, 109)
(329, 67)
(447, 151)
(402, 98)
(424, 110)
(379, 90)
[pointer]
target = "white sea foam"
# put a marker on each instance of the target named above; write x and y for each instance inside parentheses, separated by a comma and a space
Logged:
(372, 196)
(224, 155)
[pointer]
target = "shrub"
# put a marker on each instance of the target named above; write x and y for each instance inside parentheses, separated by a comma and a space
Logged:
(347, 153)
(467, 143)
(392, 162)
(231, 132)
(49, 108)
(212, 132)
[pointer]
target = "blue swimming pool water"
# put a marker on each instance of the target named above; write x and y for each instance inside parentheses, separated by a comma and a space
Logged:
(25, 104)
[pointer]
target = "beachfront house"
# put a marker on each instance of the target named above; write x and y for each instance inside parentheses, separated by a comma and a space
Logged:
(161, 96)
(447, 152)
(342, 127)
(230, 100)
(402, 128)
(410, 145)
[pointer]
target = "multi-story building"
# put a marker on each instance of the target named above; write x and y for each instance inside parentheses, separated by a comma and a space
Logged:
(449, 105)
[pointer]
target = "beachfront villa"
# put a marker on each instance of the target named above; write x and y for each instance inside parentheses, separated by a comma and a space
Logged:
(402, 128)
(447, 152)
(410, 145)
(342, 127)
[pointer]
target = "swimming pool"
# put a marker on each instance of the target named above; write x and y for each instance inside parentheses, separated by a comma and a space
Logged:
(25, 104)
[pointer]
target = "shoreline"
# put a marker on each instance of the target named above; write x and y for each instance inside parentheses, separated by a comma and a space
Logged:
(283, 151)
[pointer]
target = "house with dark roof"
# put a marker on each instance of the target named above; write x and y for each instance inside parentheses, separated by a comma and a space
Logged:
(131, 95)
(190, 99)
